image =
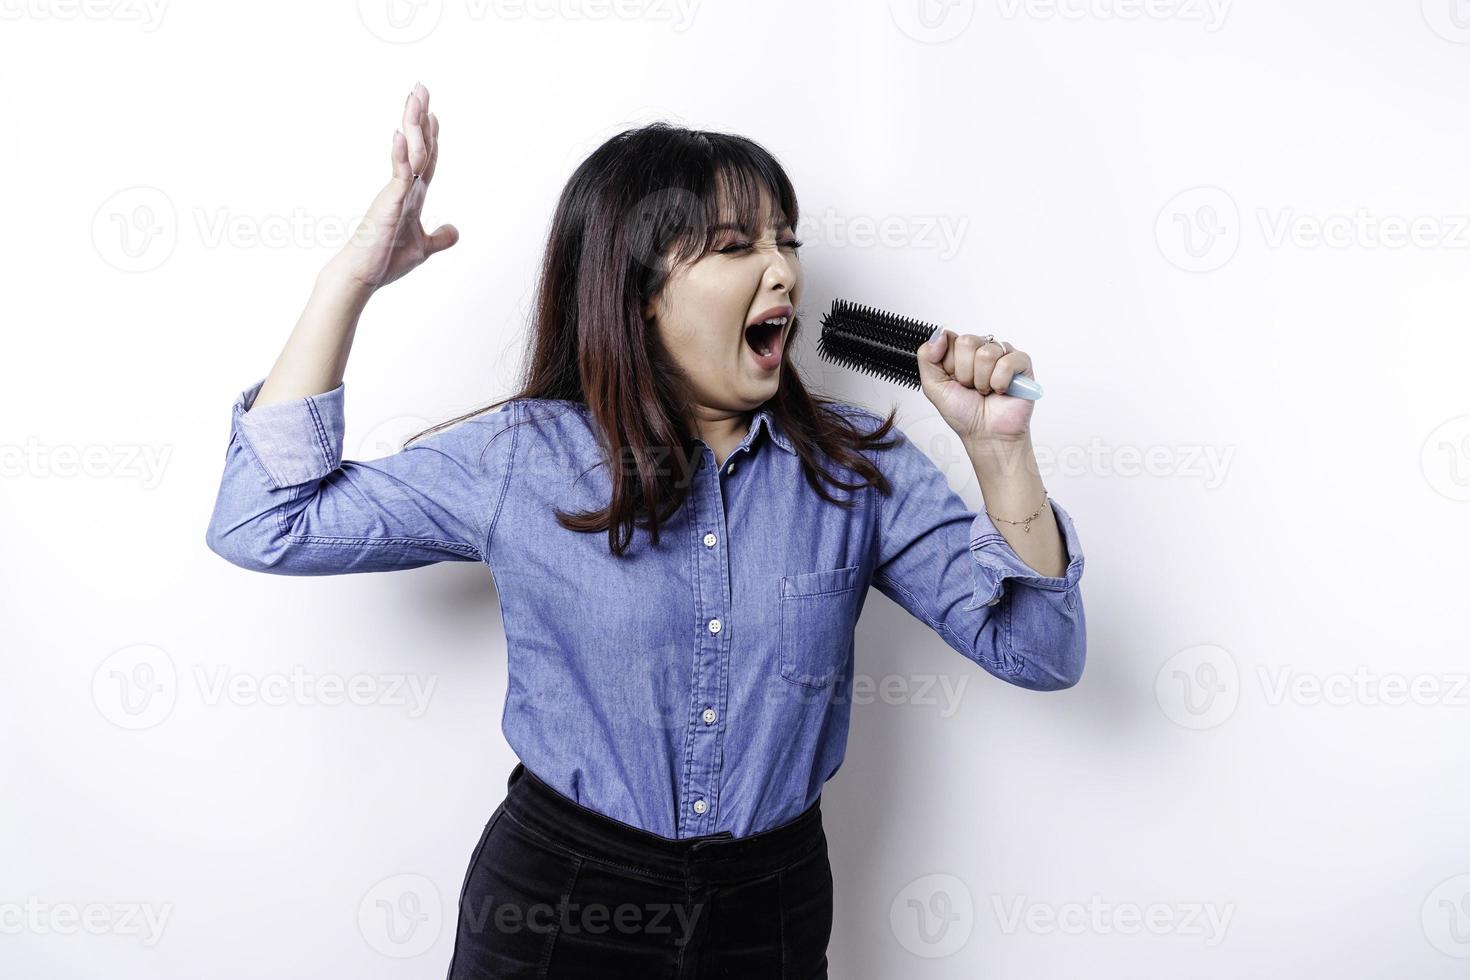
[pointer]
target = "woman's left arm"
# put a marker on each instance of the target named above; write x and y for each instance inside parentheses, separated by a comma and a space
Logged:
(1010, 482)
(965, 378)
(1021, 535)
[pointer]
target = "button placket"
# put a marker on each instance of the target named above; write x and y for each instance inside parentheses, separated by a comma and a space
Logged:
(744, 447)
(704, 738)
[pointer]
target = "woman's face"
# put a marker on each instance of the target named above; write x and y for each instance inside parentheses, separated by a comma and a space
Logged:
(702, 313)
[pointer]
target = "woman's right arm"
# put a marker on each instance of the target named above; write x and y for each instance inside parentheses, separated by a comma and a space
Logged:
(288, 503)
(387, 244)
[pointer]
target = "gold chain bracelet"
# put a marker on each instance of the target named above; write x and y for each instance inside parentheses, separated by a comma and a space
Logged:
(1027, 521)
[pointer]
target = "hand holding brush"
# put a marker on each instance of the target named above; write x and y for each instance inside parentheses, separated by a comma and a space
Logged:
(984, 388)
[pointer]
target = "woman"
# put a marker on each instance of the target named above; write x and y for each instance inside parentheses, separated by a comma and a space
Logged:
(682, 538)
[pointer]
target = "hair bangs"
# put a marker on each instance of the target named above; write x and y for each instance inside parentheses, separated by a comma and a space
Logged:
(727, 192)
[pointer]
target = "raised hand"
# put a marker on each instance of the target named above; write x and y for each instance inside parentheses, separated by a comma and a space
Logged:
(389, 241)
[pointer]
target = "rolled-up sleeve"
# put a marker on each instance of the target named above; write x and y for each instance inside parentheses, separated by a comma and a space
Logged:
(288, 503)
(952, 569)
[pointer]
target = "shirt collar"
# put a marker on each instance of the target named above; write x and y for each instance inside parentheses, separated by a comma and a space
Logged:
(763, 416)
(773, 428)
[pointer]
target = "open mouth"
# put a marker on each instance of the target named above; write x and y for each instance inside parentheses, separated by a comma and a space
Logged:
(764, 338)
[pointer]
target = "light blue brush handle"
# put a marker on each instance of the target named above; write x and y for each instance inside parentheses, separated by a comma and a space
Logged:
(1024, 386)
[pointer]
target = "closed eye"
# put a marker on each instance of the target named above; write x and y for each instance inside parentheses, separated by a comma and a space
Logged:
(791, 243)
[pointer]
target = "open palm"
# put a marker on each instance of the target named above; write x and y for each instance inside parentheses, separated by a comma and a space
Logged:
(389, 241)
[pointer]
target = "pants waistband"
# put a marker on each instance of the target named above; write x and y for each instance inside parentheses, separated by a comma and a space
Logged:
(545, 811)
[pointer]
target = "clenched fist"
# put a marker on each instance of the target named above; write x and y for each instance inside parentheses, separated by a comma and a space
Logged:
(964, 376)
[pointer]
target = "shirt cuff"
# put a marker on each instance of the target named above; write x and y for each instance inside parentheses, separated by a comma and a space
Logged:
(998, 562)
(296, 441)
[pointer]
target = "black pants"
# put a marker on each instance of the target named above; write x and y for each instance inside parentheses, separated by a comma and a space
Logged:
(555, 891)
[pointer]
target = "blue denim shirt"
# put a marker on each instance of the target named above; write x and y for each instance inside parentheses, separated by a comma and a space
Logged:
(701, 686)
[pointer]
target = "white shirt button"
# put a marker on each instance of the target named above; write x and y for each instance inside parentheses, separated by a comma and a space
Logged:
(700, 806)
(709, 716)
(730, 469)
(714, 626)
(710, 539)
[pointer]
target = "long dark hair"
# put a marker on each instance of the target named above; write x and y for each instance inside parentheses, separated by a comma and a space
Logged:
(639, 206)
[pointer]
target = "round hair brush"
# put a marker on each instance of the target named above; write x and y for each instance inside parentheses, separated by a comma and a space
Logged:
(887, 345)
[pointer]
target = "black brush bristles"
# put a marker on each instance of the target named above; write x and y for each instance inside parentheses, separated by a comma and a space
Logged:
(885, 345)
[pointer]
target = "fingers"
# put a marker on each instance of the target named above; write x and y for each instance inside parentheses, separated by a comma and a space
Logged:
(401, 169)
(416, 144)
(1007, 366)
(986, 366)
(443, 237)
(429, 125)
(996, 363)
(420, 135)
(965, 346)
(428, 173)
(982, 367)
(932, 373)
(415, 128)
(988, 354)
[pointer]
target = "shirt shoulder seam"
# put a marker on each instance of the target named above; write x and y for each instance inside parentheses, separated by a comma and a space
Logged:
(510, 462)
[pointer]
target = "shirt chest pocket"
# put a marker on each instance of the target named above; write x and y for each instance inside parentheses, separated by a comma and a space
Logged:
(818, 613)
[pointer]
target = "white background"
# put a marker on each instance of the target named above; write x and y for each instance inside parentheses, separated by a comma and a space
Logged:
(1232, 237)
